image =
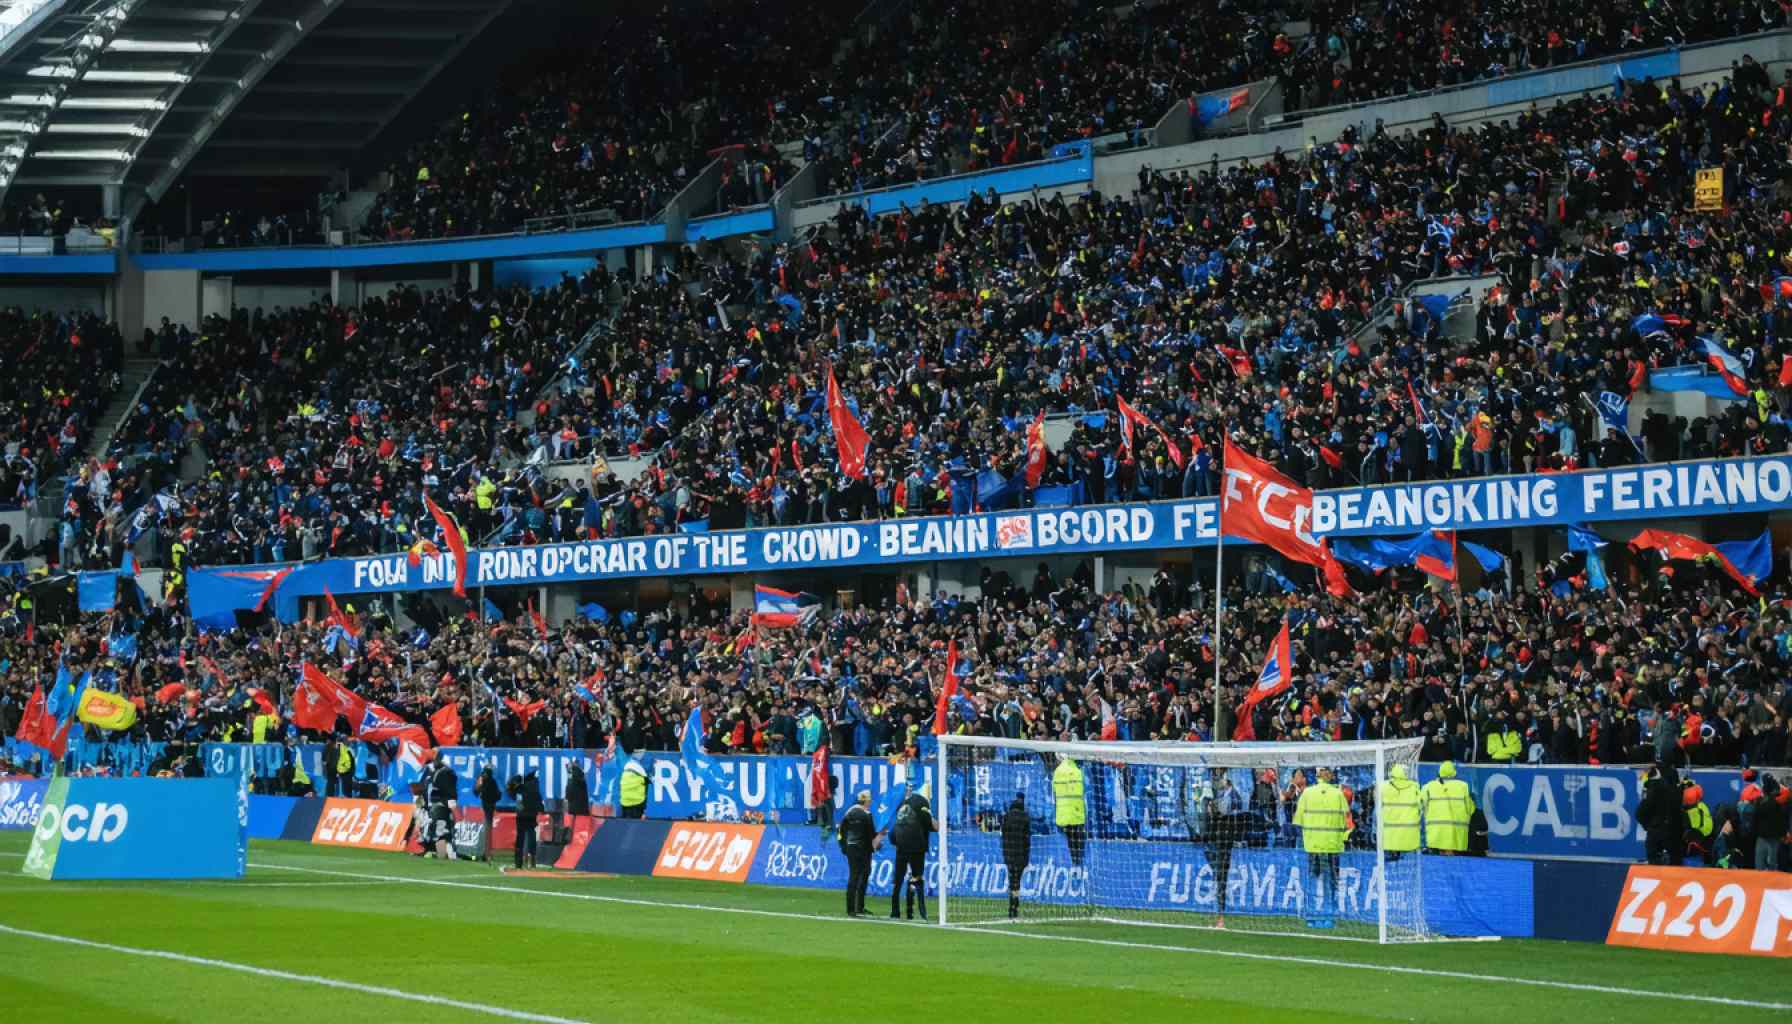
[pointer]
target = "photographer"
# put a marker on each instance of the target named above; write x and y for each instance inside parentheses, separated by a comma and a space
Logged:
(526, 791)
(444, 788)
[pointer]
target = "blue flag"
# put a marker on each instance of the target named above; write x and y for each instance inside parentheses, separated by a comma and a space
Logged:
(1582, 539)
(883, 813)
(1491, 560)
(1753, 559)
(609, 775)
(1692, 378)
(1614, 409)
(699, 764)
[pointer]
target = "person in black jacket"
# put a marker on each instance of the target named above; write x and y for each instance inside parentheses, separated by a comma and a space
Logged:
(578, 794)
(858, 840)
(1660, 815)
(526, 791)
(1017, 848)
(914, 823)
(487, 791)
(444, 789)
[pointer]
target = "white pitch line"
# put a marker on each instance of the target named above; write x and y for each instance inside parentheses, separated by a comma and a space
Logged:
(1307, 961)
(305, 979)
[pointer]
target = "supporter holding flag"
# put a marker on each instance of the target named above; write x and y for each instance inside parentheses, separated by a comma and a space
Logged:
(456, 543)
(1746, 562)
(1037, 452)
(1725, 363)
(948, 689)
(782, 609)
(1130, 416)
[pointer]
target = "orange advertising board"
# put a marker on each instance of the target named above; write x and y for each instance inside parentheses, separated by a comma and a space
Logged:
(367, 824)
(1704, 910)
(718, 852)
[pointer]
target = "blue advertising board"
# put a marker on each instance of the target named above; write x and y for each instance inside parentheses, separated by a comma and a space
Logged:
(1460, 896)
(1549, 499)
(140, 828)
(21, 799)
(1571, 810)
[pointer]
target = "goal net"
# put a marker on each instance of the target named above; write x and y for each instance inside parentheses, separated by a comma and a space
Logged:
(1260, 837)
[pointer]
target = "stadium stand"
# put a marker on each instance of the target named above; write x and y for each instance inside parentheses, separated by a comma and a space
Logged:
(1450, 302)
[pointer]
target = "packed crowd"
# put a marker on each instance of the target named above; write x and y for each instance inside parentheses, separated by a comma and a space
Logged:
(934, 89)
(1237, 296)
(320, 428)
(616, 133)
(48, 414)
(1254, 298)
(1679, 666)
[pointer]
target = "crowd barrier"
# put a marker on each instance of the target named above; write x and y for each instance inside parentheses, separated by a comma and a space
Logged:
(1576, 811)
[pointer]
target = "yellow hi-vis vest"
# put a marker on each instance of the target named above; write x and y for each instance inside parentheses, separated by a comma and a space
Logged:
(1446, 804)
(1397, 811)
(1321, 817)
(1067, 791)
(634, 788)
(345, 760)
(299, 776)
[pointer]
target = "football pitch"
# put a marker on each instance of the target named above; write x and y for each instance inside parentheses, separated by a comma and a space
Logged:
(315, 934)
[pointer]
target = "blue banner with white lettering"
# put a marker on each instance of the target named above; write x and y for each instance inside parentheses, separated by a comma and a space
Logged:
(1684, 489)
(1572, 811)
(20, 801)
(1461, 896)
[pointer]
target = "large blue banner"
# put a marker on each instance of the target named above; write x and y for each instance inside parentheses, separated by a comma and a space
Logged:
(772, 787)
(1571, 811)
(1548, 499)
(262, 760)
(140, 828)
(1460, 896)
(20, 801)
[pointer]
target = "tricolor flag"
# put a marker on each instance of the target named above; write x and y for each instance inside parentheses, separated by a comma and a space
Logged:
(1037, 452)
(1745, 561)
(1277, 676)
(781, 609)
(1130, 416)
(1422, 414)
(1241, 362)
(1727, 365)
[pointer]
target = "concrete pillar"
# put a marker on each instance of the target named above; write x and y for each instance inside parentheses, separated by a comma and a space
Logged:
(645, 262)
(111, 201)
(343, 288)
(1103, 581)
(175, 294)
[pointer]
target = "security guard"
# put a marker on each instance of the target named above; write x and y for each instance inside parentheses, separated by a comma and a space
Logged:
(345, 767)
(262, 726)
(1504, 744)
(1323, 817)
(1067, 791)
(301, 779)
(1446, 805)
(1397, 813)
(1698, 821)
(634, 789)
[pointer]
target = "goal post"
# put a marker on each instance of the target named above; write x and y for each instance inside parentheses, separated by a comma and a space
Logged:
(1259, 837)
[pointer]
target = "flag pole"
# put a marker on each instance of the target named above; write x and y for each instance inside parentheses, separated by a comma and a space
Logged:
(1219, 549)
(1461, 636)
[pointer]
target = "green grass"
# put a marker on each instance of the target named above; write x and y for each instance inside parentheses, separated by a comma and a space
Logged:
(486, 940)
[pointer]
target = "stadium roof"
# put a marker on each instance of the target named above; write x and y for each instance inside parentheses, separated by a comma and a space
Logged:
(134, 93)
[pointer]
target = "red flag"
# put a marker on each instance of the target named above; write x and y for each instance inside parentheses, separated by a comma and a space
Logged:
(849, 436)
(541, 624)
(1277, 677)
(1129, 416)
(1037, 452)
(1639, 375)
(1332, 458)
(34, 722)
(796, 455)
(1258, 503)
(820, 777)
(524, 712)
(947, 689)
(445, 724)
(318, 701)
(1241, 363)
(456, 544)
(169, 692)
(263, 701)
(1786, 372)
